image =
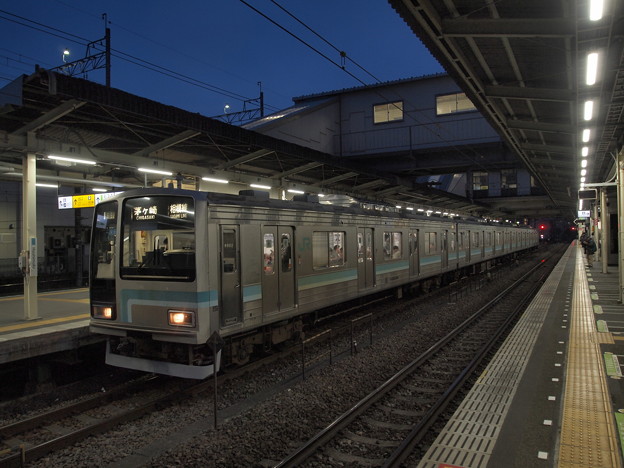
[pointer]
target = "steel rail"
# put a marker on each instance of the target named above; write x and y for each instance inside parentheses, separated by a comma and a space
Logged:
(404, 450)
(324, 436)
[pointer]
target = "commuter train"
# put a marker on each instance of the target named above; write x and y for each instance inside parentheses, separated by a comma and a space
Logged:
(179, 276)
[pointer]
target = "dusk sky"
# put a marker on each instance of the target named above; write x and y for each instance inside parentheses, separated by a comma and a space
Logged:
(220, 43)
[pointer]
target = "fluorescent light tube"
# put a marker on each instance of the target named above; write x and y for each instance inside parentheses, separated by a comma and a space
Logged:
(155, 171)
(74, 160)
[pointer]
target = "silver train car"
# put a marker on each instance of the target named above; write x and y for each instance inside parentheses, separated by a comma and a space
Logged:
(172, 269)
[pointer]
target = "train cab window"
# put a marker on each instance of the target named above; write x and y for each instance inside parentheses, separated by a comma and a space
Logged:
(158, 238)
(104, 236)
(268, 260)
(392, 245)
(328, 249)
(431, 242)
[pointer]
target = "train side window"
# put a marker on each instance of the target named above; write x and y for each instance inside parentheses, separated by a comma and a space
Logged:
(453, 241)
(431, 242)
(475, 239)
(320, 248)
(413, 243)
(336, 254)
(229, 251)
(268, 260)
(392, 245)
(360, 247)
(328, 249)
(286, 252)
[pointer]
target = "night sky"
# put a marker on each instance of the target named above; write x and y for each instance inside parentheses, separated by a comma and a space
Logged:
(220, 43)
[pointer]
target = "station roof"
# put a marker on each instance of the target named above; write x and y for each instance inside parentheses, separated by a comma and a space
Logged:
(523, 64)
(47, 113)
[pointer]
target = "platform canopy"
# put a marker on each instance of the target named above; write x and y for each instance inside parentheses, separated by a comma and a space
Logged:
(523, 64)
(48, 113)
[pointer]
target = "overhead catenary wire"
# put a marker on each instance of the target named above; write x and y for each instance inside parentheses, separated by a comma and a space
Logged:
(122, 55)
(341, 52)
(166, 46)
(307, 44)
(195, 82)
(428, 125)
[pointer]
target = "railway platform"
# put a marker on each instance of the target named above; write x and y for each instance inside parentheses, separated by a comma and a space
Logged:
(63, 324)
(553, 395)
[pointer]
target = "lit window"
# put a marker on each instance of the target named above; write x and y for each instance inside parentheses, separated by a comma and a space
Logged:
(452, 103)
(480, 181)
(392, 245)
(508, 179)
(388, 112)
(328, 249)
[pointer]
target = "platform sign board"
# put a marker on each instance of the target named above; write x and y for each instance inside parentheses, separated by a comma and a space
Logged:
(83, 201)
(584, 213)
(65, 203)
(100, 197)
(587, 194)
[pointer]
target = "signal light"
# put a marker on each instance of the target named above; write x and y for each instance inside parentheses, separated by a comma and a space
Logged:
(542, 227)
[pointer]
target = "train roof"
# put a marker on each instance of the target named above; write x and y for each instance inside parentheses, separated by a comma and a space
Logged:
(308, 202)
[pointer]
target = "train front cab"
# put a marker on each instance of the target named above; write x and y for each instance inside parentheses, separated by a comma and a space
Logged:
(145, 292)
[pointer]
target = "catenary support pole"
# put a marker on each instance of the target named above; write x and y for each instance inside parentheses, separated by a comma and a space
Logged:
(28, 257)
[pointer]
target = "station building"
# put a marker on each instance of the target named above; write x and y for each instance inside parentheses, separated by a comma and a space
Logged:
(409, 126)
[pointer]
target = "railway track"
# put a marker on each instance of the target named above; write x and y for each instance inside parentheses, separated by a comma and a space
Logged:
(386, 426)
(32, 438)
(41, 435)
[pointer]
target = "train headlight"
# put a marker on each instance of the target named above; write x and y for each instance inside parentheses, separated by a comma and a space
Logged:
(103, 312)
(182, 318)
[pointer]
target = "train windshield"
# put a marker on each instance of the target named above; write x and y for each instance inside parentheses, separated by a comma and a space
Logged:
(158, 238)
(103, 242)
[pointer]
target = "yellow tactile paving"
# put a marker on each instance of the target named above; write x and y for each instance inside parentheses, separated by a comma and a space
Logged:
(606, 338)
(588, 436)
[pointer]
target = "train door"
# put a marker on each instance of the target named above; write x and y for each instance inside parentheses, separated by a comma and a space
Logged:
(444, 252)
(231, 300)
(414, 258)
(278, 274)
(366, 264)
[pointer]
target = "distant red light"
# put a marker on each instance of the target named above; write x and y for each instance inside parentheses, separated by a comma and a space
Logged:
(542, 226)
(543, 260)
